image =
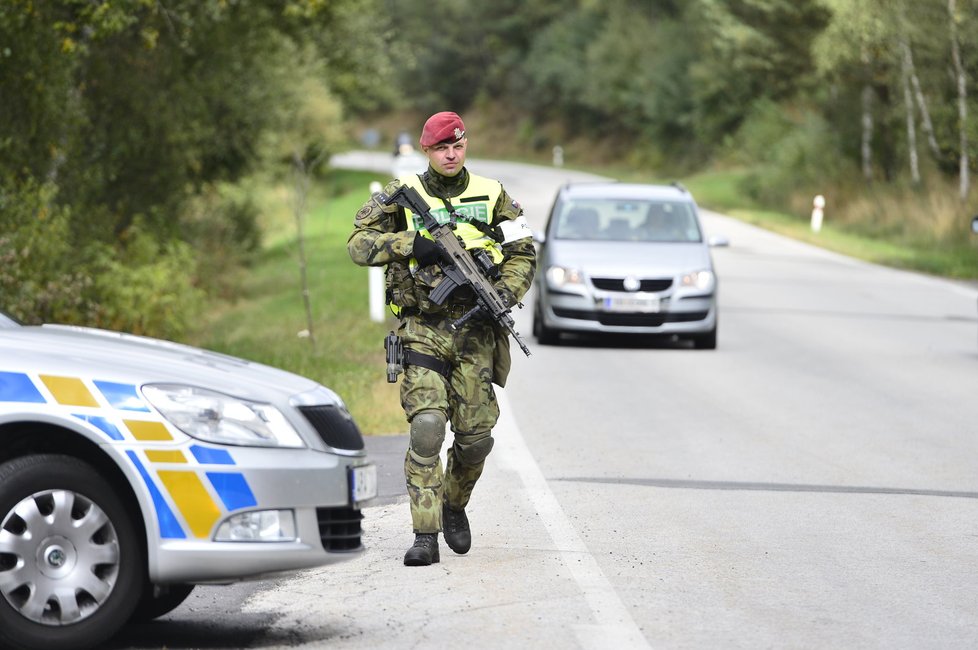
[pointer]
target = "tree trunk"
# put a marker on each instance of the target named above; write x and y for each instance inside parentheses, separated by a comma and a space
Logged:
(908, 103)
(301, 172)
(867, 124)
(925, 120)
(962, 97)
(867, 142)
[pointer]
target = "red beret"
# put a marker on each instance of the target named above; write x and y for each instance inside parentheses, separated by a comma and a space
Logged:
(441, 127)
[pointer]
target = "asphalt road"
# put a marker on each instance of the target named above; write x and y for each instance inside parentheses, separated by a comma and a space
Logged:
(809, 484)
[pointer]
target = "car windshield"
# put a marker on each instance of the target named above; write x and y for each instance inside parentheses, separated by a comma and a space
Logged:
(618, 220)
(7, 321)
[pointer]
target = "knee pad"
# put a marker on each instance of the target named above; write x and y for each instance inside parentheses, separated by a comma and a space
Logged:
(427, 436)
(472, 449)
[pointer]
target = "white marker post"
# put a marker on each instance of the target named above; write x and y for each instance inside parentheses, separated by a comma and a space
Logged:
(558, 152)
(375, 279)
(817, 212)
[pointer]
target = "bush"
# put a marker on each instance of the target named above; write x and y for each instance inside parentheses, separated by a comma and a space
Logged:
(223, 225)
(47, 275)
(37, 280)
(145, 288)
(791, 154)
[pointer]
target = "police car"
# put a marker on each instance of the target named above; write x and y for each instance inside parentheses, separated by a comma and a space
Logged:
(132, 469)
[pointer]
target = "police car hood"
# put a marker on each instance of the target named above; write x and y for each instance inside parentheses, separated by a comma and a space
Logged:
(113, 356)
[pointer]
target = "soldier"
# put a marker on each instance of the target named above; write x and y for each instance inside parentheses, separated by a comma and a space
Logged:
(448, 374)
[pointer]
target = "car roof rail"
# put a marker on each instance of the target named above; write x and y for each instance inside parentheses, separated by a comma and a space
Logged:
(679, 186)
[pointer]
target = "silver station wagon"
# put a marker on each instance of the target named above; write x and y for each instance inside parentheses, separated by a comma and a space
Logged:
(132, 469)
(623, 258)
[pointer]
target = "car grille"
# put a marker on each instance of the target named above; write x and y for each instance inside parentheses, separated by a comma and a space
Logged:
(632, 320)
(335, 426)
(339, 529)
(618, 284)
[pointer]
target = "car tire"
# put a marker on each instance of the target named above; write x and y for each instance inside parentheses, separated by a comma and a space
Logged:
(706, 341)
(543, 334)
(71, 561)
(158, 600)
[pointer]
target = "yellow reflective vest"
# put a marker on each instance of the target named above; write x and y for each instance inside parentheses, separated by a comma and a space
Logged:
(475, 204)
(407, 284)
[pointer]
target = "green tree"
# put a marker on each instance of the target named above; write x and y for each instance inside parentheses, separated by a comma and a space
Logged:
(124, 118)
(749, 50)
(618, 70)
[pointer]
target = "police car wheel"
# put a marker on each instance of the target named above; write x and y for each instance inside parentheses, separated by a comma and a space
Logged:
(71, 563)
(158, 600)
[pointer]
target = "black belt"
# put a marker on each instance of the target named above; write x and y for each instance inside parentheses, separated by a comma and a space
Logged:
(415, 358)
(454, 312)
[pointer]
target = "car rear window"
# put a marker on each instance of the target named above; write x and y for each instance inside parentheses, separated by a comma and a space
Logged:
(618, 220)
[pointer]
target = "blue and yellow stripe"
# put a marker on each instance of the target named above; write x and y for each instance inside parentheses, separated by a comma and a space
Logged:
(189, 488)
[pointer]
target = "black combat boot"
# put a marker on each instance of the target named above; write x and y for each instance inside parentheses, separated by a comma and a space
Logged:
(455, 527)
(424, 552)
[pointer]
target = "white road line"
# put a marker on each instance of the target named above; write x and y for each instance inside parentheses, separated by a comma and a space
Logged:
(614, 626)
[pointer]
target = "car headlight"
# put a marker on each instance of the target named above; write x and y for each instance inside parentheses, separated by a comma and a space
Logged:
(215, 417)
(562, 277)
(701, 280)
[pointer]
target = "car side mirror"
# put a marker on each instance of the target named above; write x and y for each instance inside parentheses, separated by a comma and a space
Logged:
(718, 241)
(974, 225)
(539, 237)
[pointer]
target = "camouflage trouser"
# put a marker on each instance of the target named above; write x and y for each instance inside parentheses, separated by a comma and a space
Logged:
(468, 401)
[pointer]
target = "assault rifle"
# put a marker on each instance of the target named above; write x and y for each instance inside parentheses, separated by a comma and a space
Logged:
(461, 267)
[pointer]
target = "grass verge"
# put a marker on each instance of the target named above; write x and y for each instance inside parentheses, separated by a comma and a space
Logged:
(263, 323)
(954, 255)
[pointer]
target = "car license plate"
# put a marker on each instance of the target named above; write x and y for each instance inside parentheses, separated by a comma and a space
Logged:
(363, 482)
(642, 304)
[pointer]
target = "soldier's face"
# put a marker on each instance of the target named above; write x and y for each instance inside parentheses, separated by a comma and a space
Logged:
(447, 159)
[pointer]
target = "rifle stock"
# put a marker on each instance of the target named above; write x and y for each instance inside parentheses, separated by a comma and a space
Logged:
(462, 270)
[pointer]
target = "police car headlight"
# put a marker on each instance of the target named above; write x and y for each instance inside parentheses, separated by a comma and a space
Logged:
(564, 278)
(700, 280)
(215, 417)
(258, 526)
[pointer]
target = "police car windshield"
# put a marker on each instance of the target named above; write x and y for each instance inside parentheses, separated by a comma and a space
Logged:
(7, 321)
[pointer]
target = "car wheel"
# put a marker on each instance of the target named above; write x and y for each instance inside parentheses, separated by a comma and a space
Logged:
(706, 341)
(158, 600)
(544, 335)
(71, 563)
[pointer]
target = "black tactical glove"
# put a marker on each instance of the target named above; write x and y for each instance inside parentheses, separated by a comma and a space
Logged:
(426, 251)
(508, 296)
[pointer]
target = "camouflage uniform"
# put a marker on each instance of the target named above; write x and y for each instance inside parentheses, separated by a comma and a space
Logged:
(477, 354)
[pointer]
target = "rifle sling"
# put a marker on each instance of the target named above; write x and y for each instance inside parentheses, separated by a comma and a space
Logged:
(484, 228)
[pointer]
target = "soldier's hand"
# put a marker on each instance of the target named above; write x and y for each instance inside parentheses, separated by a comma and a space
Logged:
(508, 296)
(425, 250)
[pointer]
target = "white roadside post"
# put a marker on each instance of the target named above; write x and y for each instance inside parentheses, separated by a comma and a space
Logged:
(376, 275)
(817, 212)
(375, 279)
(558, 152)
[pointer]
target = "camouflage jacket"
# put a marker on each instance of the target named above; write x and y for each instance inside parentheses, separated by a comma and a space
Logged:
(381, 238)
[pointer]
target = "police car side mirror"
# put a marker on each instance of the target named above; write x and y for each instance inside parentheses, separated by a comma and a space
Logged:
(539, 236)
